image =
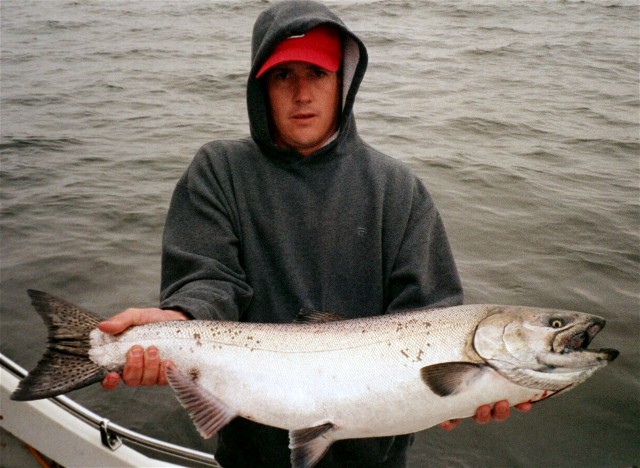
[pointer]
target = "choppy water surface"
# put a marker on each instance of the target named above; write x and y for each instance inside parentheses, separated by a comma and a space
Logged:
(521, 117)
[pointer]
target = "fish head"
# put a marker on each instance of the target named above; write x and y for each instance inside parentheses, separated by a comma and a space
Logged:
(541, 348)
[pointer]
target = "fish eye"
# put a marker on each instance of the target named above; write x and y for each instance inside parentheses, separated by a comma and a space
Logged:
(556, 323)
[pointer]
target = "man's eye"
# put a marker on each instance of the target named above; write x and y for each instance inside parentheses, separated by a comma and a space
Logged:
(319, 72)
(281, 74)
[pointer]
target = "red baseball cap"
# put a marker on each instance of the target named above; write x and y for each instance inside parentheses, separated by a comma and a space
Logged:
(320, 46)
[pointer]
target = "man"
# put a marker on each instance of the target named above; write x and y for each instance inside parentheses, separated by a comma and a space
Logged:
(303, 214)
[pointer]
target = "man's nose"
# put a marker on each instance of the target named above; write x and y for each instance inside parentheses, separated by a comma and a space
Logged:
(302, 90)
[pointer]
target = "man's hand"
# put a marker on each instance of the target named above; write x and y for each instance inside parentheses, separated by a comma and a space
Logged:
(485, 414)
(143, 366)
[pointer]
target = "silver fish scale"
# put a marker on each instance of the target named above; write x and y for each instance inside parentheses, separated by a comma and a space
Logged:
(435, 324)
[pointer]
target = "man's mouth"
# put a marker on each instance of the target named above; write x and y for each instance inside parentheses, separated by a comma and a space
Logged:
(303, 116)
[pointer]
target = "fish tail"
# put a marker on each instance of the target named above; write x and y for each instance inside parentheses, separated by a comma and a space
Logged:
(65, 365)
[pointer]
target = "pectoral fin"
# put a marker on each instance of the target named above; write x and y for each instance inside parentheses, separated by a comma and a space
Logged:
(449, 378)
(209, 413)
(309, 445)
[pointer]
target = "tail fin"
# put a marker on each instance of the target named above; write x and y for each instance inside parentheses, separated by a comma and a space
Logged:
(65, 365)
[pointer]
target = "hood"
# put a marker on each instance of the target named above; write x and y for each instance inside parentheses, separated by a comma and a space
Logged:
(290, 18)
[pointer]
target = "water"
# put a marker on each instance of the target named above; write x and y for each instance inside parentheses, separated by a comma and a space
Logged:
(521, 117)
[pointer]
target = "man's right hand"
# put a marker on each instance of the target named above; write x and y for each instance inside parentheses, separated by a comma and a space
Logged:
(143, 366)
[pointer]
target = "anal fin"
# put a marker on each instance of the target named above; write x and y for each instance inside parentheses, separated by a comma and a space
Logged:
(449, 378)
(309, 445)
(208, 413)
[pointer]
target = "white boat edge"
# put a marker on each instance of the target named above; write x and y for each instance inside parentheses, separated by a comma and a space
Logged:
(72, 435)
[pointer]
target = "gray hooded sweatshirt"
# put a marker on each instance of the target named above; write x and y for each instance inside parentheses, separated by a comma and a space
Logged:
(256, 233)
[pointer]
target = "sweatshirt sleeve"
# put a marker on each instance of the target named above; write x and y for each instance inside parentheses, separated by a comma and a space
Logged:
(424, 273)
(202, 273)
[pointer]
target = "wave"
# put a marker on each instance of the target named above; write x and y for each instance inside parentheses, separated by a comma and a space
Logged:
(51, 144)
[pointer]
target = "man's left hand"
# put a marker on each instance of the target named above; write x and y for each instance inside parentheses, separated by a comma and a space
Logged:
(485, 413)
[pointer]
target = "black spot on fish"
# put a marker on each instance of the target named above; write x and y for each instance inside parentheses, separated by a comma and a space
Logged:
(194, 374)
(196, 336)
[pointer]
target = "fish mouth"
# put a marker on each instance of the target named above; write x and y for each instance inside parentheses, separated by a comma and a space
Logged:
(572, 341)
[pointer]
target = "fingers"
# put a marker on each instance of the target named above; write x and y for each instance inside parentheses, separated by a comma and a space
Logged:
(486, 413)
(151, 369)
(499, 412)
(162, 377)
(143, 367)
(131, 317)
(111, 381)
(120, 322)
(483, 414)
(451, 424)
(134, 366)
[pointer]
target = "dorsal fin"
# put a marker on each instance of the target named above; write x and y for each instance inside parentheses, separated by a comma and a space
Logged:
(316, 316)
(309, 445)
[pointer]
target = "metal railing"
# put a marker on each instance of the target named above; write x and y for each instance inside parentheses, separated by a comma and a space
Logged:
(113, 435)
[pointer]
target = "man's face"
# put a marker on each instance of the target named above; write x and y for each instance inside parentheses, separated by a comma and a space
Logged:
(304, 101)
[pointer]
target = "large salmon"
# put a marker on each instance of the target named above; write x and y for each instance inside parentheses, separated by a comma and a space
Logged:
(339, 379)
